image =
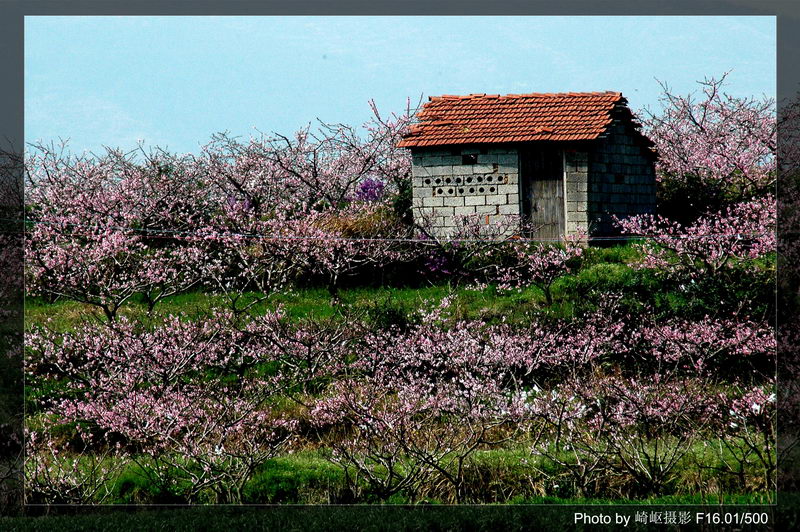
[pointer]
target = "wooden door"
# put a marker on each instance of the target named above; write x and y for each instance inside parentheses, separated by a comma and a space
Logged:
(542, 190)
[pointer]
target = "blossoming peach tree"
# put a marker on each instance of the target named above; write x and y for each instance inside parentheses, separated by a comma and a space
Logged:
(713, 149)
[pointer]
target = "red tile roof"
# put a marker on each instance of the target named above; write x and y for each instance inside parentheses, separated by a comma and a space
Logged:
(482, 118)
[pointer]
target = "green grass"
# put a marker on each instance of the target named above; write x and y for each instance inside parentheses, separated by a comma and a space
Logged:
(316, 303)
(602, 271)
(304, 478)
(626, 253)
(497, 476)
(377, 304)
(310, 303)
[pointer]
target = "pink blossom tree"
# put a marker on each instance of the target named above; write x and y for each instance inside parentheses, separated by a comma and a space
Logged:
(712, 245)
(750, 432)
(185, 398)
(239, 217)
(649, 423)
(104, 230)
(540, 265)
(325, 167)
(706, 347)
(54, 475)
(419, 404)
(713, 148)
(472, 250)
(310, 352)
(335, 245)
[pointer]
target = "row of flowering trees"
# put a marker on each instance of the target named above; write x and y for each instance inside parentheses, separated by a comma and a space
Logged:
(240, 216)
(198, 405)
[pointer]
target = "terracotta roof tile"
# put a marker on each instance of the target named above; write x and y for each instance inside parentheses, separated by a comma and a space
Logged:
(451, 119)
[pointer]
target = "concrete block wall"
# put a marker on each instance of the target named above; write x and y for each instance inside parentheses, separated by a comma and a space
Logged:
(445, 188)
(576, 166)
(622, 180)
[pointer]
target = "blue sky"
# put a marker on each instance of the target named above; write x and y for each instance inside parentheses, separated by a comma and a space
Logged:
(174, 81)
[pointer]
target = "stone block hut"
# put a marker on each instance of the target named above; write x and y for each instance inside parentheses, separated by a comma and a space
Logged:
(567, 162)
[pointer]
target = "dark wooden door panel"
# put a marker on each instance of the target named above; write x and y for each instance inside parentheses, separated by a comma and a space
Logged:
(543, 191)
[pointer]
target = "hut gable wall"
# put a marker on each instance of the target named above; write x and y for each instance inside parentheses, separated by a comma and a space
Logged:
(621, 178)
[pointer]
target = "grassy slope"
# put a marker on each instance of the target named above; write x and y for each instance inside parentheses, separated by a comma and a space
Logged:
(307, 477)
(603, 269)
